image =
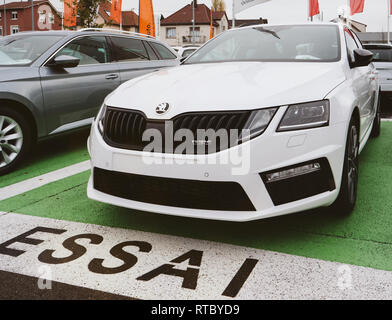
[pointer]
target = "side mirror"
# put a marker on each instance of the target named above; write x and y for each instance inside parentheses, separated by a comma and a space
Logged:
(362, 58)
(65, 62)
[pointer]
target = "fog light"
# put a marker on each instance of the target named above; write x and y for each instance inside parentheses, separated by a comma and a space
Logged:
(293, 172)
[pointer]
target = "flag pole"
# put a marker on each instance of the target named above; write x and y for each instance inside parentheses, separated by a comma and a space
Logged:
(388, 24)
(233, 26)
(193, 22)
(121, 16)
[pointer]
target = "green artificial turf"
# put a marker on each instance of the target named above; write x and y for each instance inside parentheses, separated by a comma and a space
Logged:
(49, 156)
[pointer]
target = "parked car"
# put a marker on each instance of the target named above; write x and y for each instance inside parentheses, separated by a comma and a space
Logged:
(185, 51)
(54, 82)
(383, 62)
(304, 97)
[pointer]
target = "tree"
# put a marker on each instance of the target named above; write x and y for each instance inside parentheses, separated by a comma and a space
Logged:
(88, 12)
(218, 5)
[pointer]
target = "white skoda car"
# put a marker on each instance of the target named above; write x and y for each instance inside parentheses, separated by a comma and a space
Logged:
(261, 121)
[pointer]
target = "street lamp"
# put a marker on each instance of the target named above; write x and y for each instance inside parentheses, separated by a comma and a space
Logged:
(5, 20)
(32, 15)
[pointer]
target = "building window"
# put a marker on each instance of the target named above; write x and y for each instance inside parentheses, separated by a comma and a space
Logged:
(195, 35)
(14, 15)
(42, 16)
(0, 15)
(1, 31)
(171, 33)
(14, 29)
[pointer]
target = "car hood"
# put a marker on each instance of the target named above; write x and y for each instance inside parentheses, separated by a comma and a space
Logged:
(228, 86)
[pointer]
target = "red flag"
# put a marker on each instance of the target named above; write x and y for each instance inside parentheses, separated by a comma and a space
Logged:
(314, 8)
(146, 17)
(390, 7)
(70, 13)
(357, 6)
(115, 11)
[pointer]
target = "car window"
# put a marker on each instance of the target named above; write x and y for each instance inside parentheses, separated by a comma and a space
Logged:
(164, 52)
(302, 43)
(151, 53)
(90, 50)
(351, 44)
(25, 49)
(128, 49)
(188, 52)
(382, 55)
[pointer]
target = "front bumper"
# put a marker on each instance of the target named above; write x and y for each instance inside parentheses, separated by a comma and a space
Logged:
(268, 152)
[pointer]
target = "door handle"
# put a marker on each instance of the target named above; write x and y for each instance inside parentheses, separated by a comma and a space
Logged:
(111, 76)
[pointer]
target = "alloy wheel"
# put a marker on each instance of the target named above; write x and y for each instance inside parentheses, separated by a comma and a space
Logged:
(352, 163)
(11, 140)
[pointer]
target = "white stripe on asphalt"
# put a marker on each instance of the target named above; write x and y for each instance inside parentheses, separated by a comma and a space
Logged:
(275, 276)
(36, 182)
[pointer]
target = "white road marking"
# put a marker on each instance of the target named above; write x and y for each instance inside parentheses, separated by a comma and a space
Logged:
(36, 182)
(276, 275)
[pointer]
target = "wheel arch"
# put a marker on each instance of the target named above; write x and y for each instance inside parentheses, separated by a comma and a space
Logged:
(25, 111)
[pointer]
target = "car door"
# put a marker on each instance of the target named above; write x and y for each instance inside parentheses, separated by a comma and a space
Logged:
(134, 57)
(73, 96)
(361, 78)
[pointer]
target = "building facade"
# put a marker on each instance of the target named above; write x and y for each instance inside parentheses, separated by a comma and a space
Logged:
(177, 29)
(18, 17)
(129, 19)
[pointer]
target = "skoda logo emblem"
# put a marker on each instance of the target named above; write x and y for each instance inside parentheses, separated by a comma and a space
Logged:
(162, 108)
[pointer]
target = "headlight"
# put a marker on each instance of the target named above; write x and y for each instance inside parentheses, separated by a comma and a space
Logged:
(101, 118)
(305, 116)
(259, 121)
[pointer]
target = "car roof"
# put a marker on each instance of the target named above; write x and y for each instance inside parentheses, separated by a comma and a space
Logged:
(310, 24)
(66, 33)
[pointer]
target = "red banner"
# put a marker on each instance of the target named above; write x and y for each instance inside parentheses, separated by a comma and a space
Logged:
(357, 6)
(390, 7)
(146, 18)
(115, 11)
(70, 13)
(211, 26)
(314, 8)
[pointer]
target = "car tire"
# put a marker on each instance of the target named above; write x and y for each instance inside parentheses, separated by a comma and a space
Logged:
(377, 121)
(12, 151)
(345, 203)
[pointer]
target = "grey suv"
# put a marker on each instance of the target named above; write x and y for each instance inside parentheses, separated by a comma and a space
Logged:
(54, 82)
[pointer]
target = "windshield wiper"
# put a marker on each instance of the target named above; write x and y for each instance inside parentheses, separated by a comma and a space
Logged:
(261, 29)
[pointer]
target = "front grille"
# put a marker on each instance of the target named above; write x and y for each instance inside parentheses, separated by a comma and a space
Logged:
(191, 194)
(125, 128)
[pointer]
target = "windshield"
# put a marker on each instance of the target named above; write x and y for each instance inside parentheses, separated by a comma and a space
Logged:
(382, 55)
(22, 50)
(302, 43)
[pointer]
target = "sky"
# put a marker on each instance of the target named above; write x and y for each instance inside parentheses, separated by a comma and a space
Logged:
(278, 11)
